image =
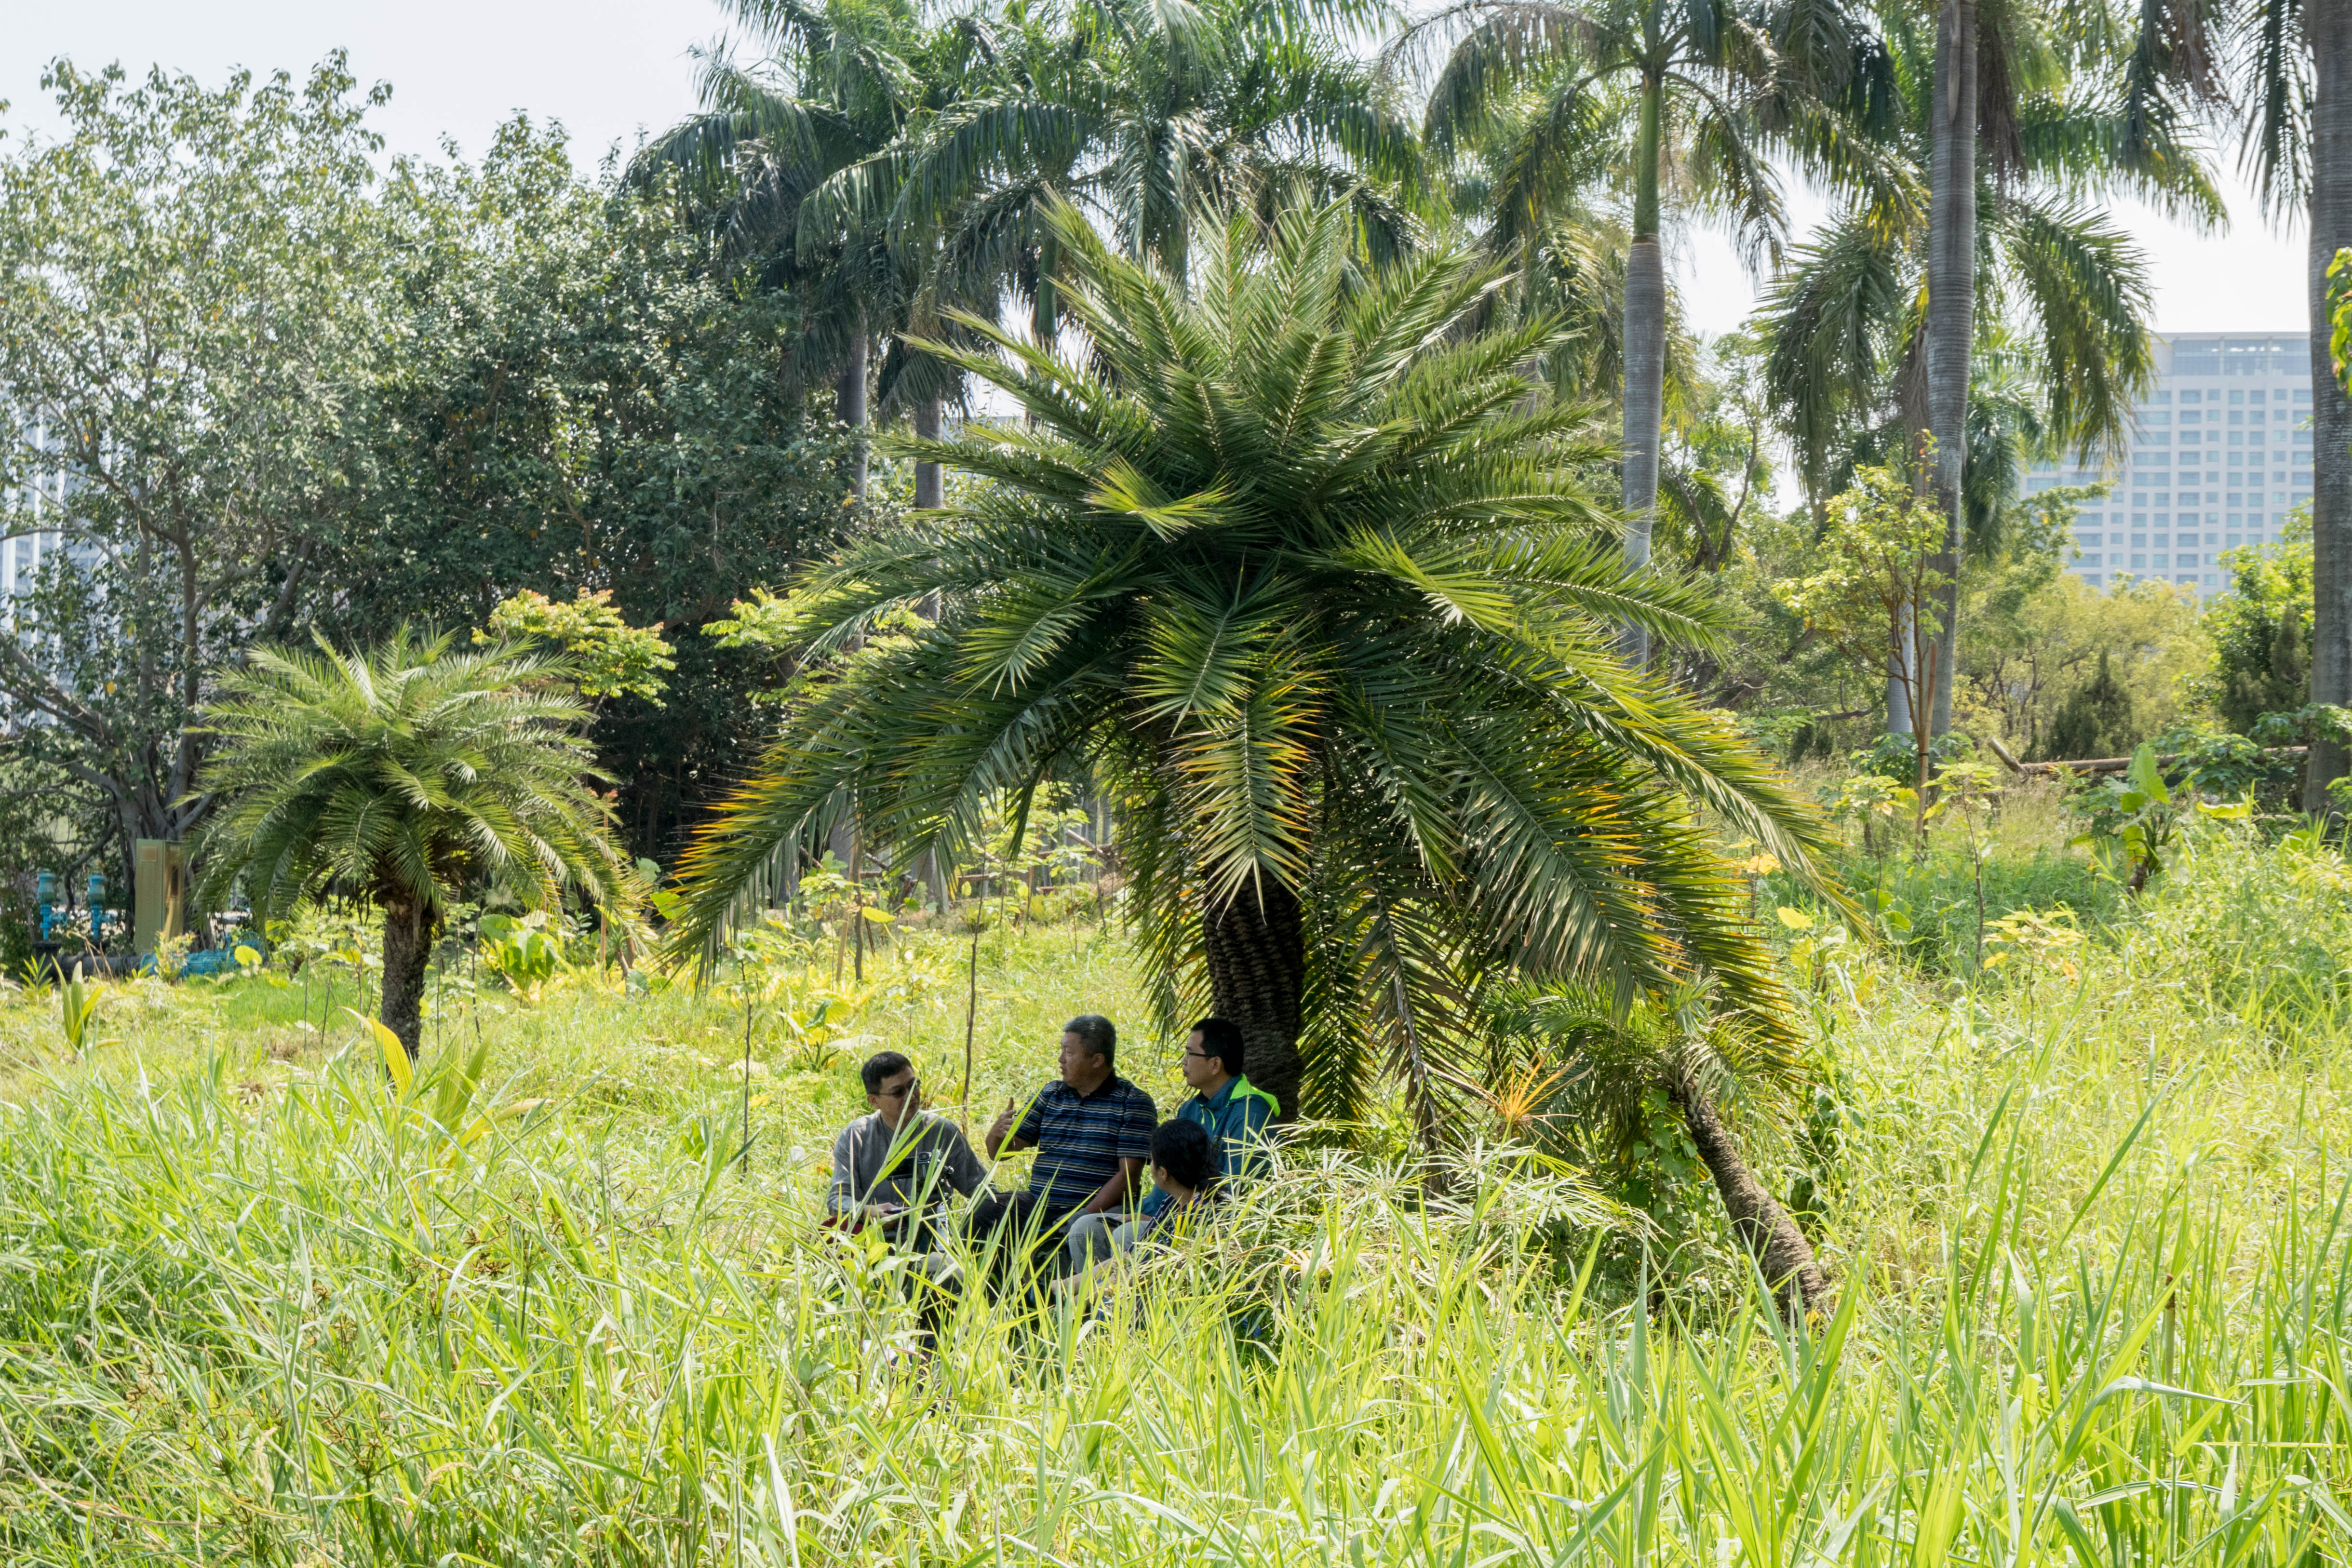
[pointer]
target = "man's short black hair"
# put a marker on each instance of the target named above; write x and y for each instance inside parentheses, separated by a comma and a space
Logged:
(1221, 1038)
(1181, 1149)
(1098, 1035)
(881, 1067)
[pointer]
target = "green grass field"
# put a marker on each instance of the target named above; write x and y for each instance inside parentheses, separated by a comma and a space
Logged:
(2085, 1214)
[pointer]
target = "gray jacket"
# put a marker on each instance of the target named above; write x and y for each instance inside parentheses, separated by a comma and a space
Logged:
(873, 1164)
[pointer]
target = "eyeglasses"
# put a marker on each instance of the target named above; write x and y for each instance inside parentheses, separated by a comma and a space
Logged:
(898, 1093)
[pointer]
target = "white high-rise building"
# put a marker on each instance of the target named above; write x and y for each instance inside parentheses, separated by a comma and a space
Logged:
(21, 557)
(2221, 451)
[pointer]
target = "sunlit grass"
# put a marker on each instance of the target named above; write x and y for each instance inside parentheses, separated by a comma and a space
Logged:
(2087, 1231)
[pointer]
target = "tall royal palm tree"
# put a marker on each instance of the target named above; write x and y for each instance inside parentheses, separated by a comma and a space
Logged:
(1141, 113)
(1288, 558)
(1981, 111)
(2056, 289)
(1691, 95)
(2286, 66)
(835, 88)
(405, 776)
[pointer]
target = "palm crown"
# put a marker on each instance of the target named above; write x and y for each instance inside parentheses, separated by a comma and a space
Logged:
(1293, 558)
(1845, 327)
(402, 777)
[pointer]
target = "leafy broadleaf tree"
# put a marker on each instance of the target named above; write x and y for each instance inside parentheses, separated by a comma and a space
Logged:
(1879, 591)
(405, 777)
(2096, 720)
(1287, 557)
(580, 400)
(192, 295)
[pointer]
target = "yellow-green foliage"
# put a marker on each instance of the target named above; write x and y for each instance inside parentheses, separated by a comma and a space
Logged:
(2085, 1222)
(613, 658)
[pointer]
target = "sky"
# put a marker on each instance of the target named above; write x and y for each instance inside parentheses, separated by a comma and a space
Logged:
(608, 69)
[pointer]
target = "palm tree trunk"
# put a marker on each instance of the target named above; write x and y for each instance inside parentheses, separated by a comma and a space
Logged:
(1257, 976)
(849, 406)
(928, 491)
(1045, 315)
(2327, 24)
(1781, 1252)
(1646, 352)
(409, 930)
(1951, 308)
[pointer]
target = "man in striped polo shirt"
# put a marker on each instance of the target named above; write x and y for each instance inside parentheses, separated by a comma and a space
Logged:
(1092, 1132)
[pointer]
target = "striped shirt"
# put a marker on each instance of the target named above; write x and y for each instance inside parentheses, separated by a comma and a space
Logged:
(1081, 1139)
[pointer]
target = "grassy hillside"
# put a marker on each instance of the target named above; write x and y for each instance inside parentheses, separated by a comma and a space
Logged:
(2084, 1210)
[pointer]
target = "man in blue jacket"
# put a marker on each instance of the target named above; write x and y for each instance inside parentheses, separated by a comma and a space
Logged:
(1234, 1114)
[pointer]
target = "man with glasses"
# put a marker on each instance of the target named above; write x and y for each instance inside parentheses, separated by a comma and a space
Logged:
(1225, 1105)
(889, 1166)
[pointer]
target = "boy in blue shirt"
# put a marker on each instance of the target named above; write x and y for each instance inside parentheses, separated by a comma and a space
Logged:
(1223, 1105)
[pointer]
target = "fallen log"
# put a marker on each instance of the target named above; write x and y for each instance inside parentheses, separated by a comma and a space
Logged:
(2094, 766)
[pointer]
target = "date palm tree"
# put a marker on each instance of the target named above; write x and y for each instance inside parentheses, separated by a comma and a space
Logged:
(1288, 558)
(1691, 97)
(405, 777)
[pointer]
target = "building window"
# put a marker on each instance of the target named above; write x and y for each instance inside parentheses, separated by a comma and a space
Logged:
(2139, 541)
(2139, 561)
(2090, 560)
(2162, 560)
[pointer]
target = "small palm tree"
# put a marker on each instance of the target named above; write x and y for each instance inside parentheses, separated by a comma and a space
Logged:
(403, 778)
(1294, 560)
(1599, 1061)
